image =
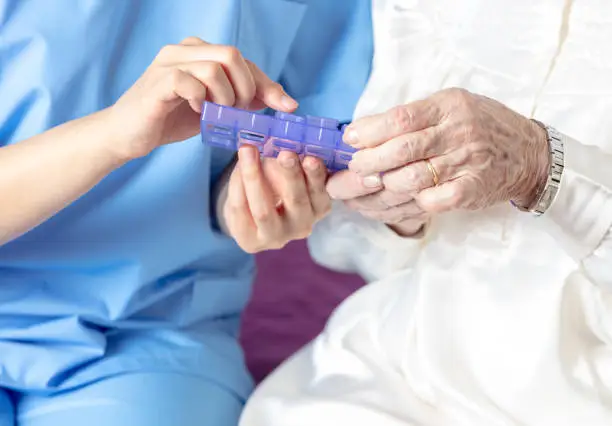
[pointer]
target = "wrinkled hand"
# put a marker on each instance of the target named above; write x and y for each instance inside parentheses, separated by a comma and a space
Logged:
(164, 105)
(273, 201)
(398, 210)
(483, 153)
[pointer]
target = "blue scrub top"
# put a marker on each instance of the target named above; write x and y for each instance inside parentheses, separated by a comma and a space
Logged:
(132, 277)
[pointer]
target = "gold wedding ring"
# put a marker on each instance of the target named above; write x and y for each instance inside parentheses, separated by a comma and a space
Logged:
(434, 172)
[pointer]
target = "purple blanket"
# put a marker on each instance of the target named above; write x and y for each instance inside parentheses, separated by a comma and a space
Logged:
(291, 301)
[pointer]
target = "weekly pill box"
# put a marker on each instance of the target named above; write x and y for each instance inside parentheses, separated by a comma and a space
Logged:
(230, 128)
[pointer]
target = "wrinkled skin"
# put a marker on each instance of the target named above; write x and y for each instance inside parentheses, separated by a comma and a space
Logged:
(484, 154)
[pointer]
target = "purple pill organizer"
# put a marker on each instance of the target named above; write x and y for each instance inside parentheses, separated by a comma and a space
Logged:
(230, 128)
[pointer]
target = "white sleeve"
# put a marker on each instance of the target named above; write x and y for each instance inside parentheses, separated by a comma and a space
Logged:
(580, 217)
(348, 242)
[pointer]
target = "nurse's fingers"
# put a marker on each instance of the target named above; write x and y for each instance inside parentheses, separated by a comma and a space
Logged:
(298, 212)
(238, 214)
(229, 57)
(213, 76)
(179, 85)
(316, 174)
(249, 82)
(259, 196)
(268, 93)
(374, 130)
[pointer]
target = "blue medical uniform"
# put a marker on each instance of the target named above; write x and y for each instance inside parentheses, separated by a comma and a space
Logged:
(124, 307)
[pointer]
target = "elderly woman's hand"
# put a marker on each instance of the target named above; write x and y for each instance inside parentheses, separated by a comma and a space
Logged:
(367, 196)
(453, 150)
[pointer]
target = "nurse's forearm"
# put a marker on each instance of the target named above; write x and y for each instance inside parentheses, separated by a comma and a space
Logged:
(42, 175)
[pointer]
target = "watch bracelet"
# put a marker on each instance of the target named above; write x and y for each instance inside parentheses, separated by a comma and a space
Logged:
(548, 192)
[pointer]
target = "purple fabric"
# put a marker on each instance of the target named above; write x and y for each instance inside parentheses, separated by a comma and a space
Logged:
(292, 299)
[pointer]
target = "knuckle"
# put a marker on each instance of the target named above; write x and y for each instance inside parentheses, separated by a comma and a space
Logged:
(296, 200)
(457, 195)
(401, 118)
(175, 76)
(406, 149)
(478, 146)
(469, 131)
(479, 156)
(232, 55)
(410, 175)
(213, 71)
(391, 199)
(276, 86)
(453, 91)
(462, 97)
(398, 181)
(235, 209)
(264, 216)
(430, 143)
(270, 87)
(167, 52)
(248, 94)
(192, 40)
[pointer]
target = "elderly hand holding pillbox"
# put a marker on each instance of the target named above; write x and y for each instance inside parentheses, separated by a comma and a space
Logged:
(453, 150)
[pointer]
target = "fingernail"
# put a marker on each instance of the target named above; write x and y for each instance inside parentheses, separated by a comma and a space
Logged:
(311, 164)
(372, 181)
(287, 161)
(351, 137)
(288, 102)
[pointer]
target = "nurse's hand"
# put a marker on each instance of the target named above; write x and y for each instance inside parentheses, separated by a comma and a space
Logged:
(453, 150)
(272, 201)
(163, 106)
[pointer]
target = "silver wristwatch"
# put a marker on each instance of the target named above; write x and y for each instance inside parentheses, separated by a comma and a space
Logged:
(547, 194)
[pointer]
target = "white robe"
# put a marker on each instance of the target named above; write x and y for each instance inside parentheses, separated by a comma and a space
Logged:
(492, 318)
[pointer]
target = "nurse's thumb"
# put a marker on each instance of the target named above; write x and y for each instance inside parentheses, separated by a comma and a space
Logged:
(269, 93)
